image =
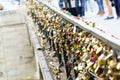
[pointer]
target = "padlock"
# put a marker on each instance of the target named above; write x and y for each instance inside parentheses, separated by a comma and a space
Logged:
(81, 66)
(87, 40)
(51, 64)
(85, 56)
(101, 58)
(100, 72)
(107, 56)
(95, 41)
(118, 66)
(58, 77)
(76, 68)
(99, 49)
(94, 59)
(93, 51)
(91, 24)
(89, 64)
(56, 71)
(112, 77)
(86, 76)
(112, 64)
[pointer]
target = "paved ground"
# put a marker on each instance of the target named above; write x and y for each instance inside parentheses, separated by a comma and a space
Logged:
(16, 55)
(9, 5)
(17, 60)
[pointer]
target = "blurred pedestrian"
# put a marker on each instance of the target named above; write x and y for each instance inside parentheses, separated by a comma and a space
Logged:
(101, 11)
(110, 13)
(80, 11)
(117, 7)
(67, 3)
(89, 5)
(1, 7)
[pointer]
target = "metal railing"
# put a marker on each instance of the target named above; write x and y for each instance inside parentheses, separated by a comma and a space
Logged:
(111, 41)
(98, 34)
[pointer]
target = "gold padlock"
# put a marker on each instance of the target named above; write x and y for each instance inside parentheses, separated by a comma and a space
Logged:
(118, 66)
(112, 64)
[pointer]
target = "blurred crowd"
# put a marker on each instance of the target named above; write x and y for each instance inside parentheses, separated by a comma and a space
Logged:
(85, 4)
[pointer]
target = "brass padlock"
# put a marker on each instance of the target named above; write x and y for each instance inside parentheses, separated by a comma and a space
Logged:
(112, 64)
(118, 66)
(89, 64)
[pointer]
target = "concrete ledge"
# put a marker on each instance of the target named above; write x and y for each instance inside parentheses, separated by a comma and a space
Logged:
(39, 54)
